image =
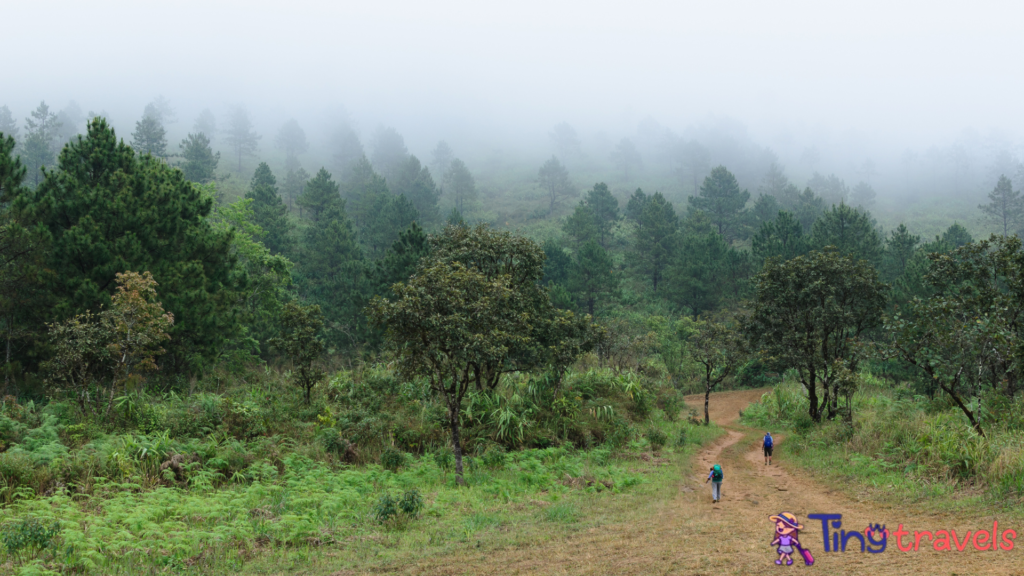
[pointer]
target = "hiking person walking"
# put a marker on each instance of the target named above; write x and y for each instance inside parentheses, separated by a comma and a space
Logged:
(715, 477)
(767, 445)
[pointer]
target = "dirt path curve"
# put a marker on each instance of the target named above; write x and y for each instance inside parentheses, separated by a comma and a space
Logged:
(686, 534)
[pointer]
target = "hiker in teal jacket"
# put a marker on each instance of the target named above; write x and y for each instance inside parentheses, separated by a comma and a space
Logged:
(767, 445)
(715, 477)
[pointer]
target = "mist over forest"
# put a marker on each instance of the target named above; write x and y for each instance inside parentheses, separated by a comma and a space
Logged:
(360, 286)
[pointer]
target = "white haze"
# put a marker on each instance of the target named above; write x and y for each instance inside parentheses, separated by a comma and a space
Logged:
(865, 79)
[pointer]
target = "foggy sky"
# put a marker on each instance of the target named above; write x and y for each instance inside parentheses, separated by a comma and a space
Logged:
(892, 74)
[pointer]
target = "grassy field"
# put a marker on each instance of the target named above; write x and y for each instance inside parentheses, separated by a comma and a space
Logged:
(314, 518)
(904, 448)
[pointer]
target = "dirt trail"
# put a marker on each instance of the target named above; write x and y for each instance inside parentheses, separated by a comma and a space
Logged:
(687, 534)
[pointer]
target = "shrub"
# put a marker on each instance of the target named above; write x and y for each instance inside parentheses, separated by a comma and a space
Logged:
(681, 437)
(495, 458)
(444, 459)
(756, 374)
(411, 503)
(385, 509)
(29, 535)
(392, 459)
(672, 404)
(245, 420)
(656, 438)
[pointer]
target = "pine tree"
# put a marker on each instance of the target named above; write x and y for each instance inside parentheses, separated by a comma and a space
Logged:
(391, 215)
(320, 195)
(462, 186)
(553, 178)
(808, 209)
(20, 256)
(850, 231)
(347, 150)
(722, 200)
(107, 210)
(581, 226)
(781, 238)
(441, 160)
(71, 122)
(635, 207)
(362, 191)
(40, 147)
(899, 249)
(150, 137)
(1006, 207)
(293, 186)
(330, 272)
(765, 209)
(292, 139)
(200, 162)
(401, 260)
(389, 152)
(556, 263)
(414, 181)
(832, 189)
(863, 195)
(591, 277)
(240, 136)
(206, 123)
(269, 213)
(606, 211)
(8, 125)
(656, 238)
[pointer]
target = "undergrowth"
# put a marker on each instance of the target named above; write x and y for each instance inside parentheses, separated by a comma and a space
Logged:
(911, 445)
(207, 482)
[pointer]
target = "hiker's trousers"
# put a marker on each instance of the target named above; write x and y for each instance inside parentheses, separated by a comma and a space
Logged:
(716, 490)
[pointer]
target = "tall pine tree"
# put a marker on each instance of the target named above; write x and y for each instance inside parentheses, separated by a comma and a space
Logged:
(269, 212)
(106, 211)
(722, 200)
(331, 273)
(320, 194)
(200, 161)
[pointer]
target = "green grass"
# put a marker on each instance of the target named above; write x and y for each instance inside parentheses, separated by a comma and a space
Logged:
(313, 511)
(904, 448)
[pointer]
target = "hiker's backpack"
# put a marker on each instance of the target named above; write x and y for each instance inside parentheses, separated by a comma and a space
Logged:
(716, 474)
(768, 441)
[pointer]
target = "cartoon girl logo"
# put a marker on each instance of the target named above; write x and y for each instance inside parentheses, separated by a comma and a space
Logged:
(787, 533)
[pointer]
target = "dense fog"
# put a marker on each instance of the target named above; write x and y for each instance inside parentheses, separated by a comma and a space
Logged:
(917, 101)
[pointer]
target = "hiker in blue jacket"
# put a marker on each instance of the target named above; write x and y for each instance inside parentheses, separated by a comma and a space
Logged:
(767, 445)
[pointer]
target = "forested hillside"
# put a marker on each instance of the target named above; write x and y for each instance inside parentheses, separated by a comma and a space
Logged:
(255, 322)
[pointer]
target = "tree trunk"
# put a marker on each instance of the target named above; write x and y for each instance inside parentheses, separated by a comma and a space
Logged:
(975, 423)
(812, 396)
(7, 362)
(707, 396)
(453, 421)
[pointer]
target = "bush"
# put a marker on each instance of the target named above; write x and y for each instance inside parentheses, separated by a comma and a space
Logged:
(756, 374)
(388, 509)
(444, 459)
(29, 535)
(681, 437)
(385, 509)
(411, 503)
(656, 438)
(245, 420)
(672, 404)
(392, 459)
(495, 458)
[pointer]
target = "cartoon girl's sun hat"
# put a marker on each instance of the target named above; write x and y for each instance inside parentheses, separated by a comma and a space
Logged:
(787, 519)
